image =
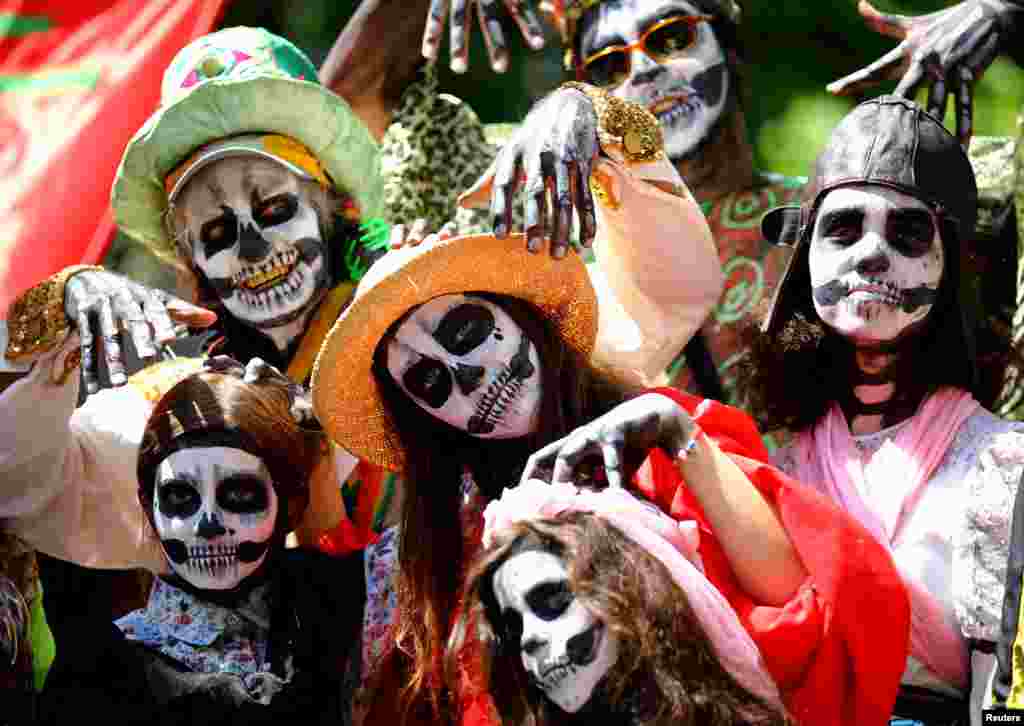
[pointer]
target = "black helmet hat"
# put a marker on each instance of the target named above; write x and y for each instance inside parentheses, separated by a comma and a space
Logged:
(887, 141)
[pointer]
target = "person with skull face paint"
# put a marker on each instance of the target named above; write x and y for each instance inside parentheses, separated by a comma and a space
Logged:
(453, 370)
(683, 60)
(868, 356)
(237, 628)
(593, 606)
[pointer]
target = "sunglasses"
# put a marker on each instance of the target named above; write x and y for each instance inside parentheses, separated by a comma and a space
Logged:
(666, 39)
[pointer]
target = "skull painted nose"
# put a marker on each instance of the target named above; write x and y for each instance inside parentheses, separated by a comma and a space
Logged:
(252, 247)
(209, 527)
(874, 262)
(468, 377)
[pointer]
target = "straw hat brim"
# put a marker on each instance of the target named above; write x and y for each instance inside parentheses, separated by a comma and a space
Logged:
(345, 395)
(217, 109)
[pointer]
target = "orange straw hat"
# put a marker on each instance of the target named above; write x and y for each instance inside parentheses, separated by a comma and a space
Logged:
(345, 395)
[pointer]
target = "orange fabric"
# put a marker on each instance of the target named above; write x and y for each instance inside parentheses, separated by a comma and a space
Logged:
(833, 661)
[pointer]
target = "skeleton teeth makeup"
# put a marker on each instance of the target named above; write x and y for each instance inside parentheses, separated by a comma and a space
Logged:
(215, 511)
(466, 362)
(687, 91)
(255, 234)
(564, 648)
(876, 260)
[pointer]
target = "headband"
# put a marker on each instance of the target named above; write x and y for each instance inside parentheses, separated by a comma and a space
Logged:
(672, 543)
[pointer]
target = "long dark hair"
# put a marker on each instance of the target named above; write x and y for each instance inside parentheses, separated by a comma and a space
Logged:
(431, 549)
(666, 672)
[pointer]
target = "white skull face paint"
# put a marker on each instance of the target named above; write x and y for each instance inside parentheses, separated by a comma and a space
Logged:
(256, 236)
(565, 650)
(215, 510)
(876, 261)
(684, 81)
(465, 361)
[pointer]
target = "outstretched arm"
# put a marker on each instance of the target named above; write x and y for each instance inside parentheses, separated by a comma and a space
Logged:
(948, 51)
(375, 58)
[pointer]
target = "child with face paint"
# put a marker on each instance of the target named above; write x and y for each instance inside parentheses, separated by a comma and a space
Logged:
(464, 374)
(237, 628)
(869, 356)
(593, 607)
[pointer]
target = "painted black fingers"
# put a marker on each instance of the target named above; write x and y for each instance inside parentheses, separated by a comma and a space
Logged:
(154, 307)
(506, 178)
(88, 343)
(913, 79)
(613, 451)
(527, 21)
(459, 33)
(585, 201)
(938, 97)
(494, 37)
(965, 106)
(575, 447)
(112, 352)
(132, 318)
(561, 208)
(885, 68)
(434, 28)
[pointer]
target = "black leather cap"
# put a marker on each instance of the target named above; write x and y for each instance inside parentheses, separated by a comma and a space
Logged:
(888, 141)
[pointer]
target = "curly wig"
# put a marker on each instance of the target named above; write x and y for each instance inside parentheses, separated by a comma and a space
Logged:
(666, 672)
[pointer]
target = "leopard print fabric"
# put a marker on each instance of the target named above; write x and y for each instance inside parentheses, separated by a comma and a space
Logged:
(434, 150)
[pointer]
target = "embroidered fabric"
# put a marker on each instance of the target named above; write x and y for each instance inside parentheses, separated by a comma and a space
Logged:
(205, 637)
(957, 541)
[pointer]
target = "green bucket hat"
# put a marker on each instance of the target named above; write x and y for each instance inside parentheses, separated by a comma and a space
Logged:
(230, 83)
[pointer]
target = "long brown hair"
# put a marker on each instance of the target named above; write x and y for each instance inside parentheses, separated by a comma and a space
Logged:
(666, 672)
(208, 403)
(430, 552)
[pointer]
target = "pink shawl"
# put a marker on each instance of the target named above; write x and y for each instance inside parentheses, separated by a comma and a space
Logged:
(882, 495)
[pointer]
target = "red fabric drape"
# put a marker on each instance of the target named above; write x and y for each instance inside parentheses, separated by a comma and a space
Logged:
(838, 648)
(77, 79)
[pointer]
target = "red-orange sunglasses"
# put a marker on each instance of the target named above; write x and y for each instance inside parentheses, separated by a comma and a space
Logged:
(666, 39)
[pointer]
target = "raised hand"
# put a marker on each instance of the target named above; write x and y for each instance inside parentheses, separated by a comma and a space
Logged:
(948, 51)
(621, 439)
(550, 156)
(488, 14)
(102, 302)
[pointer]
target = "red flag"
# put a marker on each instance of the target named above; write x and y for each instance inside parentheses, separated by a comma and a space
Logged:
(77, 79)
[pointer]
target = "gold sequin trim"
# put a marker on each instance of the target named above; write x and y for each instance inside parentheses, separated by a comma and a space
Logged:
(37, 323)
(623, 124)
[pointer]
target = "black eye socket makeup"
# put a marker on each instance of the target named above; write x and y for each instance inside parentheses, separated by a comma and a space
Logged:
(219, 234)
(549, 600)
(429, 380)
(911, 231)
(842, 227)
(464, 328)
(276, 210)
(178, 498)
(243, 494)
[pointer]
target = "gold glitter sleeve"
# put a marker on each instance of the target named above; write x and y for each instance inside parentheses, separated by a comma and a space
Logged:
(36, 322)
(623, 125)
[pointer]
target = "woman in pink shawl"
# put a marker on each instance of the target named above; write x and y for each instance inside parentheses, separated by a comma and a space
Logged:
(869, 357)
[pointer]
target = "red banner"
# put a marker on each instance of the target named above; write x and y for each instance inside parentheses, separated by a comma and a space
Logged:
(77, 79)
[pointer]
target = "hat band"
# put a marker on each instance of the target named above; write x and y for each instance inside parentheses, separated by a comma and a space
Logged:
(288, 150)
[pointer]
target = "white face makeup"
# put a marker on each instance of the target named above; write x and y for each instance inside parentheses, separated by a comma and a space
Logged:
(465, 361)
(256, 236)
(686, 84)
(876, 261)
(215, 510)
(565, 650)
